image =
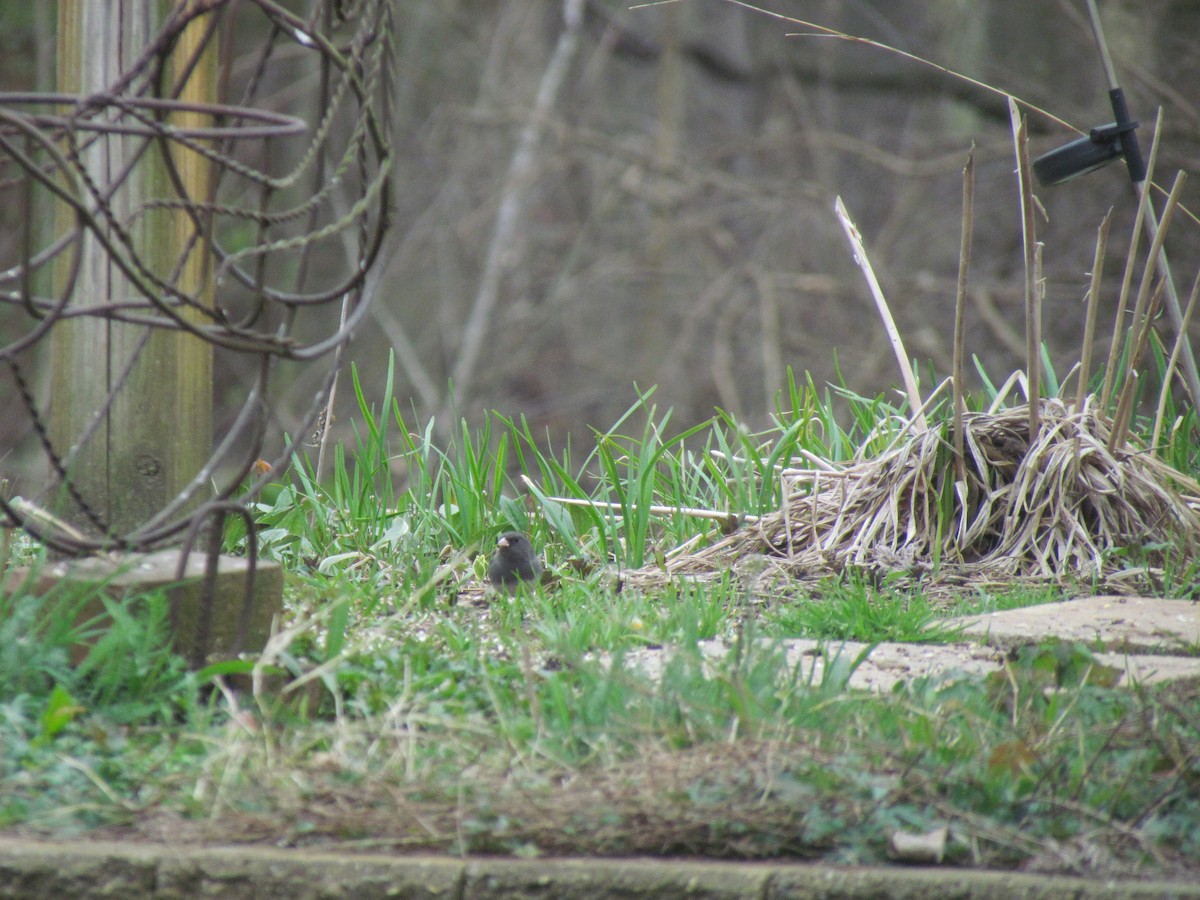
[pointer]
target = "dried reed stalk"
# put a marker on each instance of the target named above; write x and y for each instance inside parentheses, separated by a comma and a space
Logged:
(725, 518)
(1033, 318)
(1114, 350)
(1143, 312)
(889, 324)
(960, 306)
(1093, 303)
(1180, 340)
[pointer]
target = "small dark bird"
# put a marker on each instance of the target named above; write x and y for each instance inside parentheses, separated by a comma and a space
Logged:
(514, 562)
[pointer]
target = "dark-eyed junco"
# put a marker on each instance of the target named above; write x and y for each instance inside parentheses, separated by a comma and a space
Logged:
(514, 562)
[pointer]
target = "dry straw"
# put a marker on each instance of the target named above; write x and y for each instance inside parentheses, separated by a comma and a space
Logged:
(1052, 509)
(1045, 489)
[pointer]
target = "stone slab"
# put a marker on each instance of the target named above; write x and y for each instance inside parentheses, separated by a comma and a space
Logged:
(889, 664)
(1142, 625)
(1148, 639)
(201, 633)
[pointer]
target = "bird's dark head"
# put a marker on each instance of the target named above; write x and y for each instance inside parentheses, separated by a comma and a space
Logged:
(511, 541)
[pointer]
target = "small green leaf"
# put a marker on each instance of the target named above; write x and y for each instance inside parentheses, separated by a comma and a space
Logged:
(61, 709)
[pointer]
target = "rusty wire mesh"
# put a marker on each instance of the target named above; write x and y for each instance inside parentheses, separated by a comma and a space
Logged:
(292, 222)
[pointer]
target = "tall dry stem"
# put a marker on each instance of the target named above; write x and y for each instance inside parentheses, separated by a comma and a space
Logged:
(1168, 375)
(960, 304)
(1033, 319)
(1133, 377)
(1147, 303)
(860, 257)
(1119, 329)
(1093, 303)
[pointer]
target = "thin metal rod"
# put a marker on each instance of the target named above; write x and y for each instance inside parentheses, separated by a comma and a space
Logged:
(1174, 309)
(1110, 72)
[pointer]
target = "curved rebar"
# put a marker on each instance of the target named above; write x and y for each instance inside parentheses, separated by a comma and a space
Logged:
(256, 226)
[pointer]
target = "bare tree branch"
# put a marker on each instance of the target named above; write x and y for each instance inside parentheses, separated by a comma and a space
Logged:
(516, 183)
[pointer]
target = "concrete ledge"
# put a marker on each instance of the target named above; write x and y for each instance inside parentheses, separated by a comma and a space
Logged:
(1134, 625)
(201, 635)
(890, 664)
(1147, 640)
(44, 869)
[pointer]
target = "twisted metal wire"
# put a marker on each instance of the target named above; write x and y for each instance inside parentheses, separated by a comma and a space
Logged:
(261, 230)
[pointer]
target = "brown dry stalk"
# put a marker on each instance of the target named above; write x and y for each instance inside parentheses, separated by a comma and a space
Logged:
(1148, 273)
(1093, 303)
(1143, 325)
(960, 306)
(860, 258)
(1033, 319)
(1119, 330)
(1180, 339)
(1144, 309)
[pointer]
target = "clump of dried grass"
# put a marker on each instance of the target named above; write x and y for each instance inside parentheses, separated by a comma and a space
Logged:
(1044, 490)
(1055, 509)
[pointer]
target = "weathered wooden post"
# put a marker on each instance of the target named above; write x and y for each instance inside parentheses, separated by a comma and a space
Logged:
(131, 402)
(154, 382)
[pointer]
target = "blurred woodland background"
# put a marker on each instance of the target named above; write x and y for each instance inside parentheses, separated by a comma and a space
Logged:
(645, 196)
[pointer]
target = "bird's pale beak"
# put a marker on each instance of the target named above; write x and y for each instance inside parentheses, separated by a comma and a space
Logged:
(503, 542)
